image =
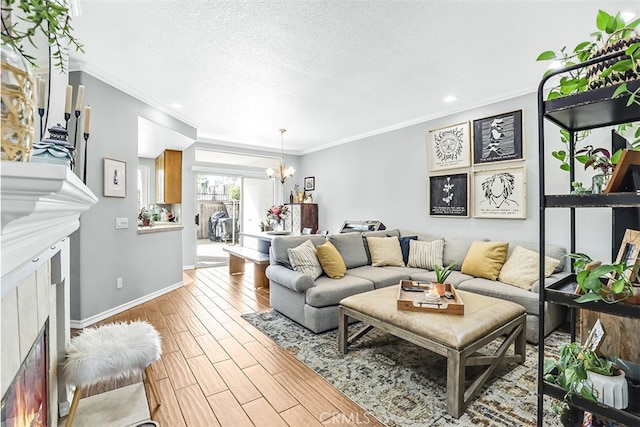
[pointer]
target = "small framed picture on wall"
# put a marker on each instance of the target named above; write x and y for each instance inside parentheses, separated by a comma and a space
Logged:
(449, 147)
(309, 183)
(498, 138)
(115, 178)
(449, 195)
(500, 193)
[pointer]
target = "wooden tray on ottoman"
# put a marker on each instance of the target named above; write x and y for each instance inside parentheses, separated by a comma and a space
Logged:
(415, 301)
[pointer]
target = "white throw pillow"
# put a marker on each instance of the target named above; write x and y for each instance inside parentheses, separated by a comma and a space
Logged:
(521, 268)
(425, 254)
(385, 251)
(304, 260)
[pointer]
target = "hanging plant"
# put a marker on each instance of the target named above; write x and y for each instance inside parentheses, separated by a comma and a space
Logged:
(48, 17)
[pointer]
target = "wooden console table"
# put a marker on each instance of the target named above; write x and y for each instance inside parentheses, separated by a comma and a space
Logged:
(238, 255)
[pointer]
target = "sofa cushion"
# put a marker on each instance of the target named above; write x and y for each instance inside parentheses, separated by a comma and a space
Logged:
(455, 250)
(425, 254)
(384, 251)
(351, 248)
(485, 259)
(328, 292)
(521, 268)
(404, 247)
(527, 299)
(380, 276)
(280, 244)
(553, 251)
(331, 261)
(304, 259)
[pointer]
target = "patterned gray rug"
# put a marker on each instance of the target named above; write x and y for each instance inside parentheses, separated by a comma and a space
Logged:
(404, 385)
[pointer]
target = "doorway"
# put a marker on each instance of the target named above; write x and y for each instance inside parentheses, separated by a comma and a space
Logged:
(218, 205)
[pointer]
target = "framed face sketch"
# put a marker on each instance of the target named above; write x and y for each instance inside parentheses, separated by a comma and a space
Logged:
(449, 147)
(449, 195)
(500, 193)
(498, 138)
(115, 178)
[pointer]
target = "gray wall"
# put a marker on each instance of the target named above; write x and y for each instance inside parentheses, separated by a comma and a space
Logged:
(385, 177)
(147, 263)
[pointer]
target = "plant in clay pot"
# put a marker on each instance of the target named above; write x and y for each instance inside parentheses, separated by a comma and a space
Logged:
(442, 274)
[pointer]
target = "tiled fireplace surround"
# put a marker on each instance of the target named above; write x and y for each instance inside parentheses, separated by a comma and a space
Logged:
(41, 206)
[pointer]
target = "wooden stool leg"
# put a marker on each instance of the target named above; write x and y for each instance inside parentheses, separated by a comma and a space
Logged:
(152, 383)
(74, 406)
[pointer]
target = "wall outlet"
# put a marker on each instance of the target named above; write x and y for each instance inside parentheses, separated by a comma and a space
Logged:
(122, 223)
(119, 283)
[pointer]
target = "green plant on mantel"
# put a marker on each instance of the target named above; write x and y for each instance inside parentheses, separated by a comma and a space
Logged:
(48, 17)
(611, 29)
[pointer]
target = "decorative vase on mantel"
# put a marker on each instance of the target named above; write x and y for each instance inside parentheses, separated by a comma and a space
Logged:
(18, 105)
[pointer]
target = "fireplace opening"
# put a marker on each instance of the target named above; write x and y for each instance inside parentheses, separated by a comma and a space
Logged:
(25, 403)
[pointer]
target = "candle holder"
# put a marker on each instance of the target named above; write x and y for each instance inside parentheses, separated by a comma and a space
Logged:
(41, 114)
(75, 135)
(84, 174)
(67, 116)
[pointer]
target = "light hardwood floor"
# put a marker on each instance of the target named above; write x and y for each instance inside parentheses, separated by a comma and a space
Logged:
(218, 370)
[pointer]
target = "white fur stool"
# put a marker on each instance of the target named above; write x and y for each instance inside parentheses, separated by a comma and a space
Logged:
(111, 351)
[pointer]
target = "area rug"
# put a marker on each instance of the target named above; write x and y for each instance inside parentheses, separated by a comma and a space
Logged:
(122, 407)
(404, 385)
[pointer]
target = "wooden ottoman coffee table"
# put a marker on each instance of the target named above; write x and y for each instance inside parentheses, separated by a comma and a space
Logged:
(457, 337)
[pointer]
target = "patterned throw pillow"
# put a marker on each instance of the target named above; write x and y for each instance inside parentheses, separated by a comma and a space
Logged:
(425, 254)
(304, 260)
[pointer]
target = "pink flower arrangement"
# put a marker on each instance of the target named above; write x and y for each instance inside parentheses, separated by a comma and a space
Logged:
(277, 213)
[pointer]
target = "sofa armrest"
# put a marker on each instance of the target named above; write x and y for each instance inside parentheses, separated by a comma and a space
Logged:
(548, 281)
(289, 278)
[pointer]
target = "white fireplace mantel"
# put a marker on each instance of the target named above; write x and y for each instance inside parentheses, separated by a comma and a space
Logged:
(41, 204)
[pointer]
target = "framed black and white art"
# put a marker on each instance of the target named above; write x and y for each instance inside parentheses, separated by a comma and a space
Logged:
(449, 195)
(449, 147)
(498, 138)
(500, 193)
(115, 178)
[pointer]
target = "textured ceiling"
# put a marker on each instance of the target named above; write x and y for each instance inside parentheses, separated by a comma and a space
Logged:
(328, 71)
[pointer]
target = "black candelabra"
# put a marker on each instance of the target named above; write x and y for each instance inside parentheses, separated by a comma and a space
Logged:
(84, 174)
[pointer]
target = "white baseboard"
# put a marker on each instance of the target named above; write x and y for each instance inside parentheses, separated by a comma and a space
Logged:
(188, 267)
(80, 324)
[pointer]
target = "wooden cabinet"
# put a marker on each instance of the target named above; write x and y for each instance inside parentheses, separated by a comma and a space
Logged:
(169, 177)
(303, 215)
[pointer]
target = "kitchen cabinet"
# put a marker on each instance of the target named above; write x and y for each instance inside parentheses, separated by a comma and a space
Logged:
(303, 215)
(169, 177)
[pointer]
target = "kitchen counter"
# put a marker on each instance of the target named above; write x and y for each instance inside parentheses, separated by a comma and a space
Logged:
(160, 227)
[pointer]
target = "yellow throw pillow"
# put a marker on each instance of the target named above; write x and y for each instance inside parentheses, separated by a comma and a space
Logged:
(331, 260)
(385, 251)
(485, 259)
(521, 268)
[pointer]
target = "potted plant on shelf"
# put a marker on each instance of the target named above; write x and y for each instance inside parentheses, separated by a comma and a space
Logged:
(613, 35)
(607, 282)
(575, 372)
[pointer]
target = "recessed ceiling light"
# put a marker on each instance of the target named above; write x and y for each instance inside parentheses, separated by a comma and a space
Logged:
(627, 16)
(450, 98)
(176, 105)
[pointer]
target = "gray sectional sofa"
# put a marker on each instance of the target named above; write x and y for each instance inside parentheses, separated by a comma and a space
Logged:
(314, 303)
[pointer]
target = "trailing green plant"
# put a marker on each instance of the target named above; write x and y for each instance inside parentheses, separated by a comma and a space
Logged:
(49, 17)
(443, 273)
(611, 29)
(570, 372)
(607, 282)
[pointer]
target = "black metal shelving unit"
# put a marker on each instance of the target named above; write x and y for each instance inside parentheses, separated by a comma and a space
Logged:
(588, 110)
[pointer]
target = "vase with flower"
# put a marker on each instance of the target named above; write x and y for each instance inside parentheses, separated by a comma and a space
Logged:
(276, 216)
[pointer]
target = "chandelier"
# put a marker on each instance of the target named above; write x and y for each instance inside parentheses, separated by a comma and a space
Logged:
(284, 172)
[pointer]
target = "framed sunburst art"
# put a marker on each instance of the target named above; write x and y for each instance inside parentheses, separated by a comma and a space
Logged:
(450, 147)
